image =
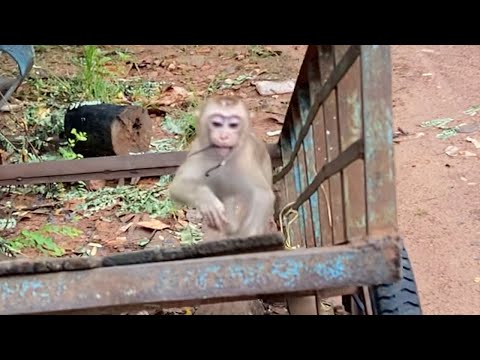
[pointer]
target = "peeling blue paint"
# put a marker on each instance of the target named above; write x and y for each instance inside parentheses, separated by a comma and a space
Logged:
(289, 270)
(335, 269)
(298, 184)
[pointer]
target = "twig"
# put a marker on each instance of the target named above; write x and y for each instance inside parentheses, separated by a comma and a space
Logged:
(40, 206)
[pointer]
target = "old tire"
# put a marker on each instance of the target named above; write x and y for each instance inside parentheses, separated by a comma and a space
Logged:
(400, 298)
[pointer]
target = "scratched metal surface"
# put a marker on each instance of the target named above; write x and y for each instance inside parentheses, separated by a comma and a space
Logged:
(201, 280)
(349, 92)
(378, 133)
(327, 67)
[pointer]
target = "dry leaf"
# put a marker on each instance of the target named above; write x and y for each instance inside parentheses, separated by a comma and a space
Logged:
(451, 150)
(468, 154)
(94, 245)
(475, 142)
(125, 227)
(154, 224)
(127, 218)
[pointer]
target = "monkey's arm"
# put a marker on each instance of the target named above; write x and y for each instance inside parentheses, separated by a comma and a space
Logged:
(188, 188)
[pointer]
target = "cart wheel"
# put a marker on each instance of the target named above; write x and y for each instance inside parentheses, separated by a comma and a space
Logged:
(400, 298)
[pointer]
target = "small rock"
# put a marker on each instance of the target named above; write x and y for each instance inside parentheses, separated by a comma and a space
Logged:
(267, 88)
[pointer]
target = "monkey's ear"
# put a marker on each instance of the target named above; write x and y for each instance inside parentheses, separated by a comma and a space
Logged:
(252, 114)
(196, 113)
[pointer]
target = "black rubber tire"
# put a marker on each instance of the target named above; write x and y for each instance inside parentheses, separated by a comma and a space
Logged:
(400, 298)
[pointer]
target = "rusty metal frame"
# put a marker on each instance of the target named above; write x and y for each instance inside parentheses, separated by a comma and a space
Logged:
(193, 282)
(105, 167)
(337, 146)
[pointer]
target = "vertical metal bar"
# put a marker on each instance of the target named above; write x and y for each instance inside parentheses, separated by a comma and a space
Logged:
(327, 64)
(379, 160)
(302, 160)
(349, 93)
(291, 193)
(320, 160)
(314, 86)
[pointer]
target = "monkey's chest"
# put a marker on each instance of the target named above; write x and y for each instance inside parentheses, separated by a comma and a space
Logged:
(226, 183)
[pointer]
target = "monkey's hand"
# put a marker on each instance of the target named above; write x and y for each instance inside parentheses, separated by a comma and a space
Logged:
(213, 213)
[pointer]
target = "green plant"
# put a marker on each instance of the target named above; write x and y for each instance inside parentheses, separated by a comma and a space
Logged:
(260, 51)
(94, 76)
(130, 200)
(41, 240)
(67, 151)
(190, 235)
(184, 126)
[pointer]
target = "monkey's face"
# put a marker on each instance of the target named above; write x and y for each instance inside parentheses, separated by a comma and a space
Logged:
(224, 131)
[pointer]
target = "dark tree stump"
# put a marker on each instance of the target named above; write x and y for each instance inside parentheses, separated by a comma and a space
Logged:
(111, 129)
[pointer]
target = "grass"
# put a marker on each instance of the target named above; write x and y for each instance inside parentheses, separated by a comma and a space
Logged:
(183, 126)
(40, 240)
(128, 199)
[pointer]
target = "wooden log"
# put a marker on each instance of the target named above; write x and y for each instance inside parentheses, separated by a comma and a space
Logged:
(111, 129)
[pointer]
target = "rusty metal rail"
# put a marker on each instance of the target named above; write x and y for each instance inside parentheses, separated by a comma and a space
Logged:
(107, 167)
(190, 282)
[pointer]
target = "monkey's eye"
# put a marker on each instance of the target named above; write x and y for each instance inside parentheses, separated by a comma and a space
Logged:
(233, 125)
(217, 124)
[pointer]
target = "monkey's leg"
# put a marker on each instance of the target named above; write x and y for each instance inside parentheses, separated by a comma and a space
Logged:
(260, 209)
(234, 212)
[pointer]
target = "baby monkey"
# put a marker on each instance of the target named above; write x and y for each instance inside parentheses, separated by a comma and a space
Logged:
(227, 166)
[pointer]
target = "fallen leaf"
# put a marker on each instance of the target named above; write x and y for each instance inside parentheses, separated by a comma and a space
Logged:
(125, 227)
(467, 154)
(94, 245)
(477, 279)
(463, 178)
(451, 150)
(154, 224)
(471, 184)
(475, 142)
(127, 218)
(143, 242)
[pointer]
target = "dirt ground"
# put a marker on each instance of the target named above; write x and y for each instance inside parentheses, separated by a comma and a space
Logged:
(438, 195)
